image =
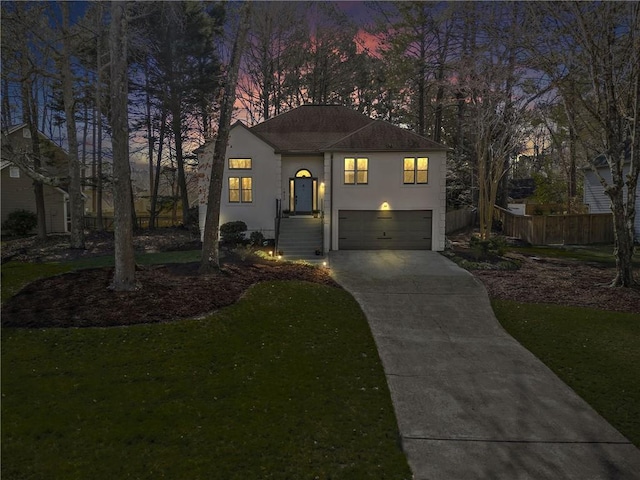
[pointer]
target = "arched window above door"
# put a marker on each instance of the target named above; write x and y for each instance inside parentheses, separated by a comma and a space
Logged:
(303, 173)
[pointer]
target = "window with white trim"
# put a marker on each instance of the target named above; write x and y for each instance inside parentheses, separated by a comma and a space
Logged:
(14, 172)
(415, 170)
(240, 190)
(356, 171)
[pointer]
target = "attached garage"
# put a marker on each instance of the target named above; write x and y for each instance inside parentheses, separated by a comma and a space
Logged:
(384, 229)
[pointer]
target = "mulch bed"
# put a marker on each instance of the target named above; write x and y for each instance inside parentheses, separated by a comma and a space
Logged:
(177, 291)
(169, 292)
(564, 282)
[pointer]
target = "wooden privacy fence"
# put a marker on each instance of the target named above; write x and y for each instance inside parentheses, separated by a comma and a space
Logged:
(458, 219)
(571, 229)
(142, 221)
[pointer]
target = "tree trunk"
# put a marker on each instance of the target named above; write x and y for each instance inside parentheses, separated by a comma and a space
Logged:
(76, 203)
(156, 179)
(210, 254)
(6, 109)
(422, 81)
(98, 178)
(176, 123)
(150, 142)
(125, 267)
(28, 117)
(623, 241)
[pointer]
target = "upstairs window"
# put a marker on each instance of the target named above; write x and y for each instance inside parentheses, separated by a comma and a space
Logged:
(240, 164)
(14, 172)
(416, 170)
(240, 190)
(356, 171)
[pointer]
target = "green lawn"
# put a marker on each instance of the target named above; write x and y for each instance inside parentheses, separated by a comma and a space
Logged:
(287, 383)
(16, 275)
(595, 352)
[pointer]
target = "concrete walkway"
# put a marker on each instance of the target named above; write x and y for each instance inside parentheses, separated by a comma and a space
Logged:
(472, 403)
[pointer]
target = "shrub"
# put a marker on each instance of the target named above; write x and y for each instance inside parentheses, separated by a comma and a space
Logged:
(256, 238)
(232, 233)
(243, 252)
(20, 222)
(484, 248)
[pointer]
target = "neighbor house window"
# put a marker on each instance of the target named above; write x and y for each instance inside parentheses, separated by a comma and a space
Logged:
(14, 172)
(240, 190)
(239, 164)
(356, 171)
(416, 170)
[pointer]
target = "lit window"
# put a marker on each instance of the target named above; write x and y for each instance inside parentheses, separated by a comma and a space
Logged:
(246, 190)
(14, 172)
(415, 170)
(239, 164)
(304, 173)
(240, 190)
(356, 171)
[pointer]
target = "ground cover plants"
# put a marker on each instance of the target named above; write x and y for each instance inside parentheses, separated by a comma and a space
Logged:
(286, 383)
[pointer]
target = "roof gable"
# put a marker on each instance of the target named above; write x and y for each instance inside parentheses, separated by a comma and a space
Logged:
(55, 158)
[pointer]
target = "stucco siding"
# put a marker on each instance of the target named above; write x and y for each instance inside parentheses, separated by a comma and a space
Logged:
(328, 201)
(259, 215)
(385, 185)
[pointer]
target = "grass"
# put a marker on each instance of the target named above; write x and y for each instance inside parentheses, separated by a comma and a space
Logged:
(595, 352)
(16, 275)
(287, 383)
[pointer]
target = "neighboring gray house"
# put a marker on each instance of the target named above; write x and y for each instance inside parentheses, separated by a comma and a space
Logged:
(594, 196)
(369, 184)
(17, 186)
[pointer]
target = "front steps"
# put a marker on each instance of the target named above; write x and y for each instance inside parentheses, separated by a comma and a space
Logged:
(300, 237)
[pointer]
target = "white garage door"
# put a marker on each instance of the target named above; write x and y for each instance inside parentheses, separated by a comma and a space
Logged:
(384, 229)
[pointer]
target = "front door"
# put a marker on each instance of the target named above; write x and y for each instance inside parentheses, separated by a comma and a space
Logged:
(303, 190)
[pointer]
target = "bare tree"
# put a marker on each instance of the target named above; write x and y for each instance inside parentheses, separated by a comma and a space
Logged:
(125, 267)
(20, 54)
(76, 202)
(273, 43)
(498, 104)
(210, 254)
(591, 52)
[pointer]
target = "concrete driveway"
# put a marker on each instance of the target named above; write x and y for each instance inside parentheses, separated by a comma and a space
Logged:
(472, 403)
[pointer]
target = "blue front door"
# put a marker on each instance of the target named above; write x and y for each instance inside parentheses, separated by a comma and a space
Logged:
(303, 190)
